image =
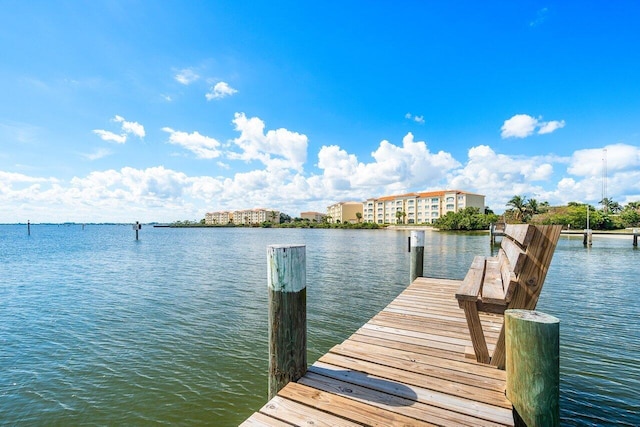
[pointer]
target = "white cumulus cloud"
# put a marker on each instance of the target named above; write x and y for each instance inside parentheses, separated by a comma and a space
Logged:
(500, 176)
(591, 161)
(202, 146)
(110, 136)
(133, 128)
(220, 90)
(98, 154)
(417, 119)
(394, 169)
(277, 149)
(186, 76)
(524, 125)
(551, 126)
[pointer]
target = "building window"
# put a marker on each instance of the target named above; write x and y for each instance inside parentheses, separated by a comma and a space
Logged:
(450, 206)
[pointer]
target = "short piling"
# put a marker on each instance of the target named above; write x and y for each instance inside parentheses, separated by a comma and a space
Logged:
(635, 237)
(416, 248)
(532, 343)
(28, 228)
(137, 226)
(287, 284)
(587, 239)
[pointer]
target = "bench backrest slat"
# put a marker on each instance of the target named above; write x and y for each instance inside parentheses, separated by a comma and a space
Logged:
(531, 277)
(516, 255)
(521, 233)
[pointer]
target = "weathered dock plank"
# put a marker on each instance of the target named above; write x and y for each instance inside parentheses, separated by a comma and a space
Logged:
(405, 367)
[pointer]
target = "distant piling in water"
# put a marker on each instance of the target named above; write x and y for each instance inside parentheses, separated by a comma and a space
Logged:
(137, 226)
(28, 228)
(287, 284)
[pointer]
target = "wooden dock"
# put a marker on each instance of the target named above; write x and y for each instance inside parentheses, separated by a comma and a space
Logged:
(408, 366)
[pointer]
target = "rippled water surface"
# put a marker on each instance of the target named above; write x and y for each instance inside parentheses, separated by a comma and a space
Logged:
(99, 329)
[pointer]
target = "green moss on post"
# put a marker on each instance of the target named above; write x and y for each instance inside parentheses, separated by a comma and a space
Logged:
(533, 366)
(287, 285)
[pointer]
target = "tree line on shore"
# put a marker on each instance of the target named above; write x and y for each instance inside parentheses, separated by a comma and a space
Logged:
(285, 222)
(611, 215)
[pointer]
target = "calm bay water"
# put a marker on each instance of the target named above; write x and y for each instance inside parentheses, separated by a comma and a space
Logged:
(99, 329)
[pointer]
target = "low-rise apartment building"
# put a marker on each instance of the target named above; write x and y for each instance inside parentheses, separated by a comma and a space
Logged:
(344, 212)
(222, 217)
(418, 208)
(242, 217)
(313, 216)
(256, 216)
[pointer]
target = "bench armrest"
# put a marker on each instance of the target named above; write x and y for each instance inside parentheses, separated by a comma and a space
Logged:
(472, 283)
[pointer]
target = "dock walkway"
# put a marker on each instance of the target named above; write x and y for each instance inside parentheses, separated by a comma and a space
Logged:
(405, 367)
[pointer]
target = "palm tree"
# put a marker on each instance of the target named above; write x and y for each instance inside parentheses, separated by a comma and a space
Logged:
(359, 216)
(608, 205)
(518, 203)
(400, 214)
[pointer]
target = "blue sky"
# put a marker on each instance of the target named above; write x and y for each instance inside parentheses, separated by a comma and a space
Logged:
(161, 111)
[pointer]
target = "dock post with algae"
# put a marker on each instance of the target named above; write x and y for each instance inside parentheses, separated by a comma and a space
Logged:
(287, 285)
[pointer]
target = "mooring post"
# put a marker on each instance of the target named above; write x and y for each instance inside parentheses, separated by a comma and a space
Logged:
(587, 240)
(137, 226)
(635, 237)
(492, 236)
(28, 227)
(417, 255)
(287, 283)
(532, 341)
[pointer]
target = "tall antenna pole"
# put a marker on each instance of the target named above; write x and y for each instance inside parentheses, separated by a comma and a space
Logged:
(605, 201)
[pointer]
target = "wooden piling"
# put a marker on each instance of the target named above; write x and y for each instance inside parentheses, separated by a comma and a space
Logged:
(533, 366)
(137, 226)
(287, 284)
(28, 228)
(588, 237)
(635, 237)
(416, 248)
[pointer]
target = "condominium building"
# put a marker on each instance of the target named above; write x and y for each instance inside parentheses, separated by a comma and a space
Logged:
(344, 212)
(418, 208)
(222, 217)
(242, 217)
(256, 216)
(313, 216)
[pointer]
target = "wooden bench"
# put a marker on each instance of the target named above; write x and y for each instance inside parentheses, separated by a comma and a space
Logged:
(511, 280)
